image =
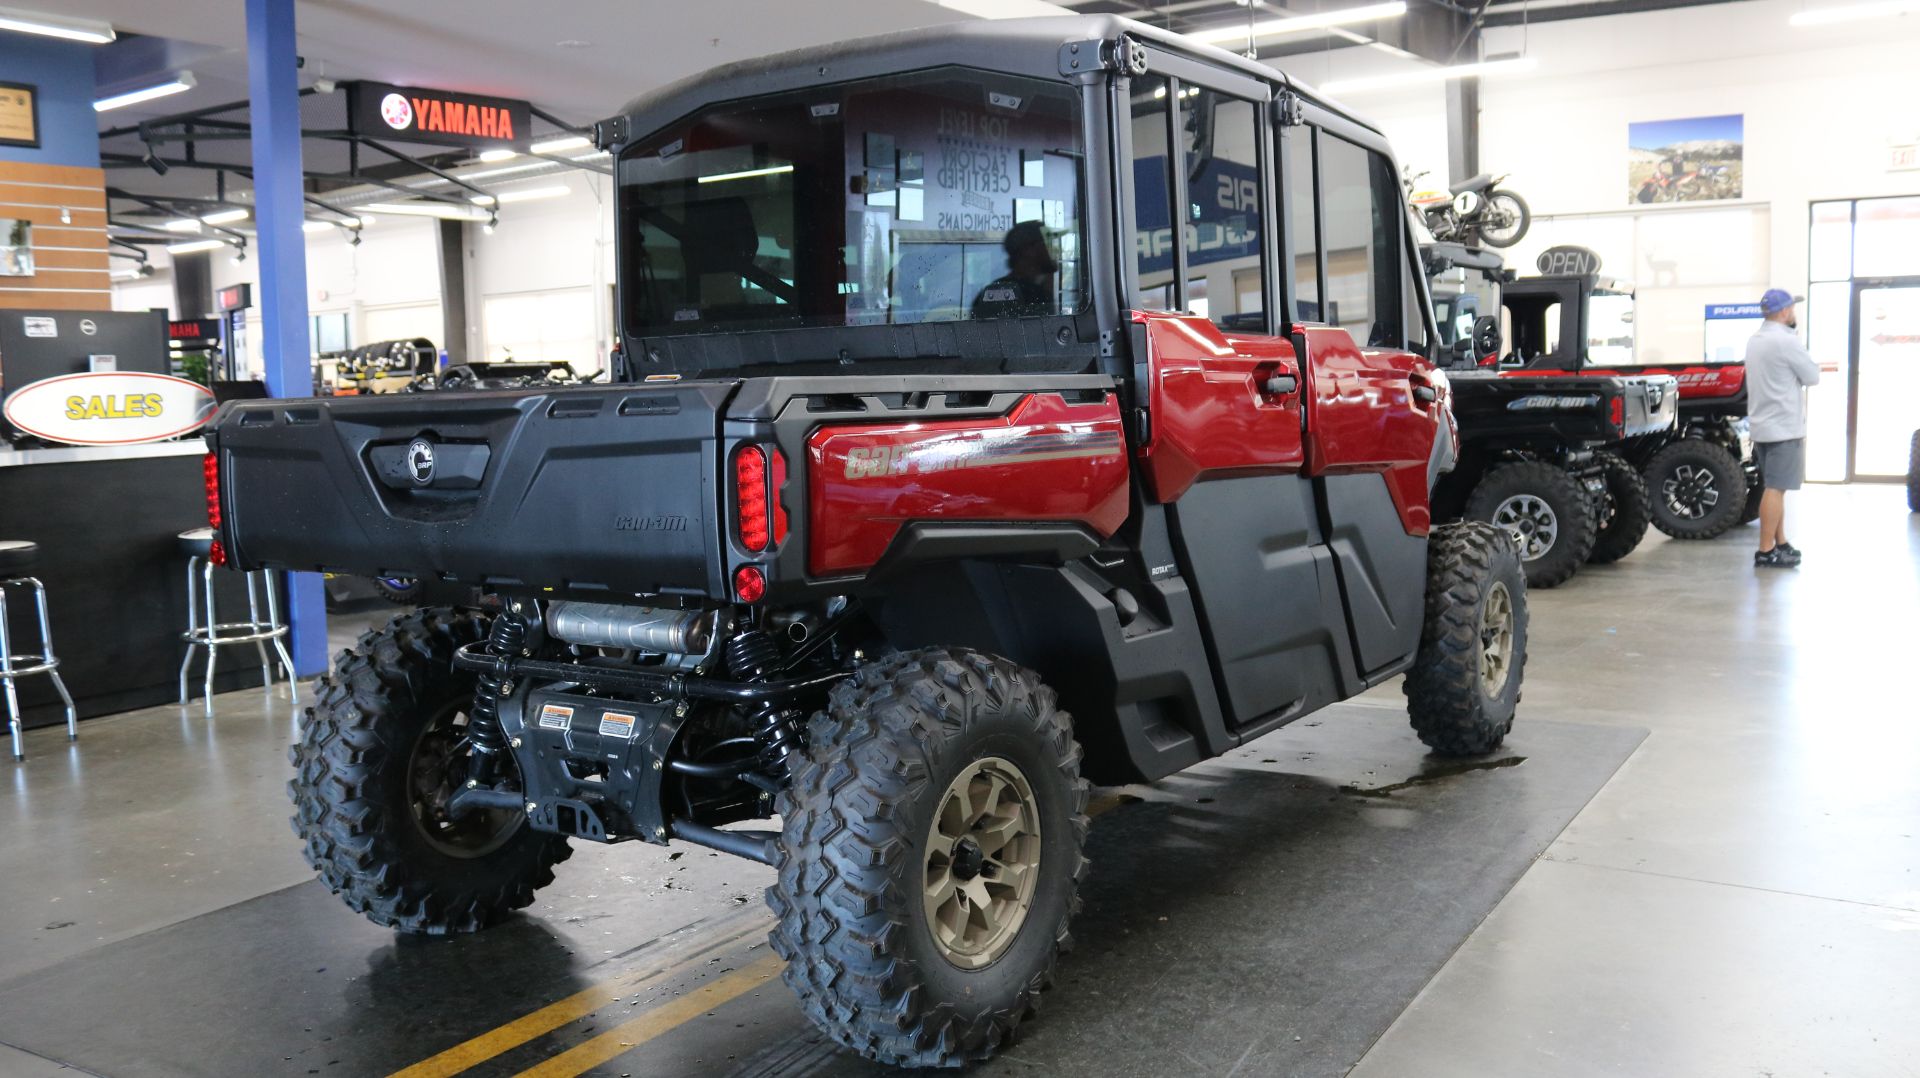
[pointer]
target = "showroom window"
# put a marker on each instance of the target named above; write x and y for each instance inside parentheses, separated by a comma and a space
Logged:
(940, 196)
(1360, 207)
(548, 327)
(1862, 319)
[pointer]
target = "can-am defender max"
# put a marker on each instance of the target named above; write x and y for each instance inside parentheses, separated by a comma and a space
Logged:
(903, 464)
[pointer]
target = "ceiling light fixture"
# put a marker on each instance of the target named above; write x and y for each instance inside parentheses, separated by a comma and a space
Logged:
(770, 170)
(1827, 16)
(224, 217)
(315, 226)
(196, 245)
(75, 30)
(443, 210)
(491, 156)
(184, 224)
(1293, 24)
(183, 81)
(1507, 65)
(525, 194)
(562, 145)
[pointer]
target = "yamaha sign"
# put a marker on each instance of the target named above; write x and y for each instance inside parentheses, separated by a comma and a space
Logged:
(441, 117)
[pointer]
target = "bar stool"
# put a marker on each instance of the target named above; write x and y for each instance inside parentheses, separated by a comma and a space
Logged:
(17, 558)
(214, 634)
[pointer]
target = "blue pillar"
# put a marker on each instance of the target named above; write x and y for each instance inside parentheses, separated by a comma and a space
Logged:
(278, 211)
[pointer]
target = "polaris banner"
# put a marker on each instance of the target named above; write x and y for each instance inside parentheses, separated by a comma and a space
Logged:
(1728, 326)
(1226, 214)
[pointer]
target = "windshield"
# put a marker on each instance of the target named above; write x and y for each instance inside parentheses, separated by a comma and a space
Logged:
(1610, 328)
(937, 196)
(1460, 296)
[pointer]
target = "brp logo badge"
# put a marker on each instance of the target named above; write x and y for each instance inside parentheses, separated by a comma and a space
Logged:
(87, 327)
(397, 111)
(420, 461)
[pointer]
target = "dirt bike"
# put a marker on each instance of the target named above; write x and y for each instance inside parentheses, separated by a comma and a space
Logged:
(1474, 211)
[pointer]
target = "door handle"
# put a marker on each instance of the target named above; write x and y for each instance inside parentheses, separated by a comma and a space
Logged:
(1279, 385)
(1425, 394)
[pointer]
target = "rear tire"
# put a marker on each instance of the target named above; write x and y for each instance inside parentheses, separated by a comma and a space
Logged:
(1547, 511)
(882, 963)
(1516, 208)
(1623, 520)
(1698, 488)
(1464, 686)
(378, 751)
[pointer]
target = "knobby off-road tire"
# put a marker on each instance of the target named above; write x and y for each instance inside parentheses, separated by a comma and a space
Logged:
(389, 710)
(400, 591)
(1548, 511)
(858, 845)
(1465, 682)
(1698, 489)
(1622, 521)
(1913, 474)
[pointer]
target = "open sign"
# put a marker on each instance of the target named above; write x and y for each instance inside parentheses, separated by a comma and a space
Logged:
(110, 408)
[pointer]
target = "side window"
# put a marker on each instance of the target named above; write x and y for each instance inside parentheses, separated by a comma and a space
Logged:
(1152, 194)
(1220, 144)
(1362, 215)
(1304, 243)
(1416, 319)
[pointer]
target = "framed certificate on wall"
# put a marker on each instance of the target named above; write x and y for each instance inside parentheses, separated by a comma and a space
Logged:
(19, 114)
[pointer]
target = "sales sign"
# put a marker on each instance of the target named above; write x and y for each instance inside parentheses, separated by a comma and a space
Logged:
(442, 117)
(118, 408)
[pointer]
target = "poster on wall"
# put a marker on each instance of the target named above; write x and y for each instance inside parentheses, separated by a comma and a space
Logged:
(16, 247)
(1696, 159)
(19, 114)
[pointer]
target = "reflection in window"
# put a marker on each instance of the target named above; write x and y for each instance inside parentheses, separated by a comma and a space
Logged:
(1152, 198)
(1305, 242)
(1360, 204)
(1223, 233)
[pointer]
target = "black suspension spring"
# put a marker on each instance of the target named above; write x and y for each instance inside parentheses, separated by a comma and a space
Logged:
(754, 655)
(483, 720)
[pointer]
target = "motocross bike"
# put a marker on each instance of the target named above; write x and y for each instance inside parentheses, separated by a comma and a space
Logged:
(1472, 212)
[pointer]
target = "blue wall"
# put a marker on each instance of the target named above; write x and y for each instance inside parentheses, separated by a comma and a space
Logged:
(63, 72)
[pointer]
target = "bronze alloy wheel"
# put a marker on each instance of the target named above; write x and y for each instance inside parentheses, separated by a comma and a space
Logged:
(1496, 640)
(983, 860)
(437, 769)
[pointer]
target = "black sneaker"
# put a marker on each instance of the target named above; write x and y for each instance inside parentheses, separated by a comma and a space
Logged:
(1780, 557)
(1787, 548)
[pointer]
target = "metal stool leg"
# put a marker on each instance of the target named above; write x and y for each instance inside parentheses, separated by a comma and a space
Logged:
(46, 656)
(279, 641)
(193, 618)
(6, 679)
(213, 633)
(260, 646)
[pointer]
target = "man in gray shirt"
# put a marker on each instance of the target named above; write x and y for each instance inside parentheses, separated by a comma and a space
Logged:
(1779, 371)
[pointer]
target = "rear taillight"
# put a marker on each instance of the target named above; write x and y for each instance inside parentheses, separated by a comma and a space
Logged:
(210, 471)
(1617, 411)
(749, 583)
(773, 497)
(750, 501)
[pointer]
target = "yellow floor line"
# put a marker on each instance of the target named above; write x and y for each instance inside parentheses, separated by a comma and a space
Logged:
(505, 1038)
(634, 1032)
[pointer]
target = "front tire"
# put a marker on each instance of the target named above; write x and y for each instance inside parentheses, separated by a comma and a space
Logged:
(1547, 512)
(1518, 219)
(1464, 686)
(930, 857)
(1698, 488)
(378, 755)
(1628, 510)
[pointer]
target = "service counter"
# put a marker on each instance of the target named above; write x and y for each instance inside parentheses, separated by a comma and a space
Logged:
(107, 520)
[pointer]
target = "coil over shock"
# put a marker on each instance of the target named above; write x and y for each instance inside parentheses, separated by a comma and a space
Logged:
(483, 719)
(755, 656)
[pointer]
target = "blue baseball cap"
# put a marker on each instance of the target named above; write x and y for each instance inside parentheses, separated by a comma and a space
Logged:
(1778, 299)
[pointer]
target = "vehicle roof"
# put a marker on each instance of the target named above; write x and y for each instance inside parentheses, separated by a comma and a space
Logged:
(1027, 37)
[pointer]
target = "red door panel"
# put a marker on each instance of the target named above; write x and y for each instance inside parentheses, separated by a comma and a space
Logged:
(1210, 405)
(1045, 461)
(1362, 416)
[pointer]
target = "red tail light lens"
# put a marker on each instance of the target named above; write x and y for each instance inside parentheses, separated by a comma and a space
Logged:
(1618, 412)
(750, 497)
(210, 471)
(749, 583)
(773, 496)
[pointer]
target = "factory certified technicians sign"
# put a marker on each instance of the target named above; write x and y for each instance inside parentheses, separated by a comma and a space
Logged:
(121, 408)
(442, 117)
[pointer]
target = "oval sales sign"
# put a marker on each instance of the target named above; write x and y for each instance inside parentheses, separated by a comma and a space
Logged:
(110, 408)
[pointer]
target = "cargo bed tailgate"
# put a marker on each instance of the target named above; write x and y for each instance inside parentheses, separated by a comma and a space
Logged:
(591, 488)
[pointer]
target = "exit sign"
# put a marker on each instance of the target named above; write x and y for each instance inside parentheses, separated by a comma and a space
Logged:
(1903, 158)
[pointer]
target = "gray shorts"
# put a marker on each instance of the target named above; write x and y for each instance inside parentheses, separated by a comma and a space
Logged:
(1782, 464)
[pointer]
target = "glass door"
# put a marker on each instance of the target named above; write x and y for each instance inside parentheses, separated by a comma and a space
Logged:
(1885, 365)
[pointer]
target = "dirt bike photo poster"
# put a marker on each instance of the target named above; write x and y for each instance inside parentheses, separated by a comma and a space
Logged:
(1696, 159)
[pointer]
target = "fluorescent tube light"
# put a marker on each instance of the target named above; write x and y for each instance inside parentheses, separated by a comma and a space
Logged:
(444, 211)
(489, 173)
(184, 224)
(770, 170)
(490, 156)
(184, 81)
(224, 217)
(1505, 66)
(562, 145)
(196, 245)
(525, 194)
(1827, 16)
(315, 226)
(1296, 23)
(91, 33)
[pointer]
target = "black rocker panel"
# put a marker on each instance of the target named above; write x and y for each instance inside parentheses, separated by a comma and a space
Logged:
(1383, 571)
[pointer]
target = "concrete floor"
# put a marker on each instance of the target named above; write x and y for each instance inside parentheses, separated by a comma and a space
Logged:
(1741, 898)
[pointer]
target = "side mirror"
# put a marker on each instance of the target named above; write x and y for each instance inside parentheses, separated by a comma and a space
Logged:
(1486, 337)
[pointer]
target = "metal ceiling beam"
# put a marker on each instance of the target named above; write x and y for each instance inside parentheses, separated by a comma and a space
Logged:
(1517, 14)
